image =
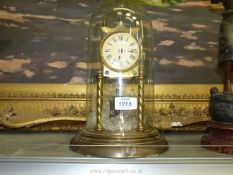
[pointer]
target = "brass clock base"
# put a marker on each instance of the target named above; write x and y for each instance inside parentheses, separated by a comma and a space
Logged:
(119, 145)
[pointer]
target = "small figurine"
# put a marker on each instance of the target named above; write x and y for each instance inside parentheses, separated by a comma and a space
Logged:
(226, 44)
(221, 104)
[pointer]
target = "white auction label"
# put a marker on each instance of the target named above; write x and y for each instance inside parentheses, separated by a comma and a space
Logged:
(126, 103)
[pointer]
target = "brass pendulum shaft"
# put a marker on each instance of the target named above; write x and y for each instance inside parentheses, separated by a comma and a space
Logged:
(141, 100)
(99, 106)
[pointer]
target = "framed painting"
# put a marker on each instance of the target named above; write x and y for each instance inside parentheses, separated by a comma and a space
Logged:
(43, 63)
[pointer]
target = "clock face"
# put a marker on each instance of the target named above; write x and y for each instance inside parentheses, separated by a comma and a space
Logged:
(120, 51)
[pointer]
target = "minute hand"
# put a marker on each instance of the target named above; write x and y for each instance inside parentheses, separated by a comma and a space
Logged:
(133, 51)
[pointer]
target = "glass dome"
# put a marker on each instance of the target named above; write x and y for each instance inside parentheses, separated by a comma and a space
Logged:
(120, 86)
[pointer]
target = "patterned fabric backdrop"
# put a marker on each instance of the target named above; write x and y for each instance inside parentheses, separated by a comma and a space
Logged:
(44, 41)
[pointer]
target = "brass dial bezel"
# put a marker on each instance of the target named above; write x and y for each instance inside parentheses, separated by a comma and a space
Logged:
(108, 65)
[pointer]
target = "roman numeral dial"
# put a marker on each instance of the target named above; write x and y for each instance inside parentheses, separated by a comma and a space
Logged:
(120, 51)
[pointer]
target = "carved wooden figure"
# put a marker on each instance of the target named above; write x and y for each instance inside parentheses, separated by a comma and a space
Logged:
(226, 44)
(220, 135)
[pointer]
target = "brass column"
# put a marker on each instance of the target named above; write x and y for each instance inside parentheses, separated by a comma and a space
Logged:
(99, 104)
(141, 100)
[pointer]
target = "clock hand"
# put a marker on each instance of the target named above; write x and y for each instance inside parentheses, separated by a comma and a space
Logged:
(133, 51)
(122, 50)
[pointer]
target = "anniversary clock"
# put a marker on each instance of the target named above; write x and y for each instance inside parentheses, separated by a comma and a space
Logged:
(120, 87)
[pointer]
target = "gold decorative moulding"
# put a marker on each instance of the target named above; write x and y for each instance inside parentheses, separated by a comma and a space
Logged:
(62, 107)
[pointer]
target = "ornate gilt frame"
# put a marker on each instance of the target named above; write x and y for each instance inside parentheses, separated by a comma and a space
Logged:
(52, 107)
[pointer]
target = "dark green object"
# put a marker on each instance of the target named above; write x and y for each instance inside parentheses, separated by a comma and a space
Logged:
(220, 130)
(226, 38)
(225, 58)
(221, 106)
(226, 32)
